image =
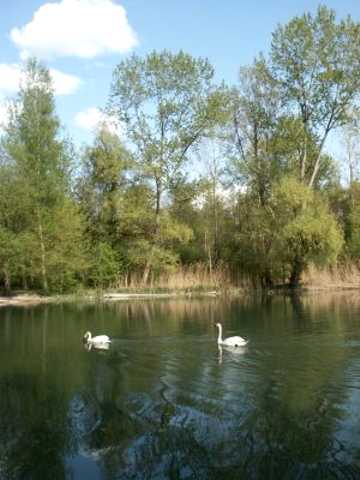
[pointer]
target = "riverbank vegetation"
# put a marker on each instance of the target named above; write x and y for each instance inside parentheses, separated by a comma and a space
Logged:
(202, 184)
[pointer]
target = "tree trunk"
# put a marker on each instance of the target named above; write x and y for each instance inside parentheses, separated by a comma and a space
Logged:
(149, 261)
(216, 224)
(24, 279)
(147, 268)
(318, 158)
(266, 280)
(303, 161)
(43, 255)
(7, 280)
(207, 248)
(351, 169)
(297, 269)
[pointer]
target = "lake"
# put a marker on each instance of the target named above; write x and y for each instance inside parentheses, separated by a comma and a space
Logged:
(164, 402)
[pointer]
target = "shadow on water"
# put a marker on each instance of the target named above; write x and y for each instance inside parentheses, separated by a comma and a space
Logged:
(164, 402)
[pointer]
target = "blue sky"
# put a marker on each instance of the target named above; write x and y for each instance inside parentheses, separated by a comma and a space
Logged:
(230, 33)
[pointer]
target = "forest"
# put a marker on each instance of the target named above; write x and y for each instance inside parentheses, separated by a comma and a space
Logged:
(202, 183)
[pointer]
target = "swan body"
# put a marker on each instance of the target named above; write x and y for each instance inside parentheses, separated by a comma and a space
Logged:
(98, 340)
(231, 341)
(97, 346)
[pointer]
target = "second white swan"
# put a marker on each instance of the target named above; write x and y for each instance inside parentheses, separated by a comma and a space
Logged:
(231, 341)
(98, 340)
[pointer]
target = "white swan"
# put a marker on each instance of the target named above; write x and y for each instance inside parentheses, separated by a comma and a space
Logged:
(231, 341)
(98, 346)
(98, 340)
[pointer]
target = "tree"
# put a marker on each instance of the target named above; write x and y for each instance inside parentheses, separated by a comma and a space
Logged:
(256, 113)
(305, 231)
(316, 63)
(351, 141)
(117, 205)
(102, 184)
(211, 198)
(48, 220)
(353, 220)
(249, 241)
(12, 221)
(167, 103)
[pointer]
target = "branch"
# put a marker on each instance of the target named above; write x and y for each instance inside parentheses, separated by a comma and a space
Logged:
(238, 138)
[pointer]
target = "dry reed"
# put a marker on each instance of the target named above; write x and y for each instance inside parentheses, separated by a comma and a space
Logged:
(340, 276)
(193, 277)
(199, 278)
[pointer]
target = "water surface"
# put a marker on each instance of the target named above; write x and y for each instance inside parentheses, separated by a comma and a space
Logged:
(164, 402)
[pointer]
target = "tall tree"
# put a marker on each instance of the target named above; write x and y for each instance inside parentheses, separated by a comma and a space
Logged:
(42, 164)
(351, 144)
(316, 62)
(256, 113)
(101, 192)
(101, 185)
(305, 230)
(167, 103)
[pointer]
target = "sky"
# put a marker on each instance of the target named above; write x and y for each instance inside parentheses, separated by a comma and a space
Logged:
(81, 41)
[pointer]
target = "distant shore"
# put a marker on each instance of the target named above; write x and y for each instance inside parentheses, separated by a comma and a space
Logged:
(29, 299)
(24, 299)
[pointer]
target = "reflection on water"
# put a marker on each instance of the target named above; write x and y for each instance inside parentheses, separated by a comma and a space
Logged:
(96, 346)
(165, 401)
(232, 352)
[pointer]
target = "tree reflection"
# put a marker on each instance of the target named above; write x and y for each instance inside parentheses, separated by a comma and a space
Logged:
(173, 431)
(163, 402)
(34, 431)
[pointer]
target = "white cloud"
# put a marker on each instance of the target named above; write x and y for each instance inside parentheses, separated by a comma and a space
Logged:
(89, 119)
(64, 83)
(80, 28)
(11, 74)
(92, 118)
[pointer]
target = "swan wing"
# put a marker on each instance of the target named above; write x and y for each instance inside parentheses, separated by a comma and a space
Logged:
(235, 341)
(101, 339)
(102, 346)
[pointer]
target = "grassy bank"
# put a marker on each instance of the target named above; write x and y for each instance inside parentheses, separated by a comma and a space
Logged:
(194, 281)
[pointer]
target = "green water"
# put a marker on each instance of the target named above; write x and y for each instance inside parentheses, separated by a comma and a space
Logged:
(165, 403)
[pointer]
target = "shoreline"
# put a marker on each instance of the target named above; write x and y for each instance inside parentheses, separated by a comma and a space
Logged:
(33, 299)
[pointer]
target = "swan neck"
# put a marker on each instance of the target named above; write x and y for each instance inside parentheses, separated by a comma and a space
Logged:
(220, 334)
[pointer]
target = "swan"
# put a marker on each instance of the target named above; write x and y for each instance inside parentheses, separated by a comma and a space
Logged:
(97, 346)
(98, 340)
(231, 341)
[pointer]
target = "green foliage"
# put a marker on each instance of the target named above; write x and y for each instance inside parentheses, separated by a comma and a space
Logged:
(68, 251)
(32, 137)
(9, 251)
(267, 200)
(306, 230)
(354, 221)
(42, 223)
(167, 103)
(105, 266)
(102, 184)
(172, 231)
(249, 241)
(256, 112)
(162, 259)
(316, 62)
(269, 243)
